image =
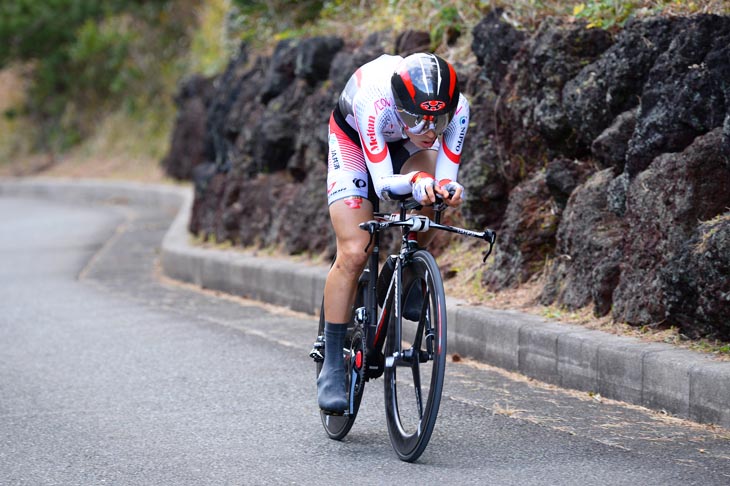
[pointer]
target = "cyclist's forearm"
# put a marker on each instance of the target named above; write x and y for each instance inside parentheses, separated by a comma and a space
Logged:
(396, 183)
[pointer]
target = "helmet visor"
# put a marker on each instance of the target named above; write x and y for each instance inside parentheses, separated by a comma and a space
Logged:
(419, 124)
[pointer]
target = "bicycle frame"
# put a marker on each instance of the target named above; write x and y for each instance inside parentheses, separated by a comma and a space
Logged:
(375, 328)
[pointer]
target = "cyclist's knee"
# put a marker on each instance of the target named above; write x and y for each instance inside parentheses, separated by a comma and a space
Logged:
(351, 258)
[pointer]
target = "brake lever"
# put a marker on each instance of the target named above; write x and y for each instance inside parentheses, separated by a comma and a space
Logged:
(370, 228)
(490, 237)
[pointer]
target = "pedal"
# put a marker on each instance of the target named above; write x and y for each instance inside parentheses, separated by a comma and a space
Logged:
(361, 315)
(334, 414)
(390, 361)
(375, 365)
(316, 356)
(316, 352)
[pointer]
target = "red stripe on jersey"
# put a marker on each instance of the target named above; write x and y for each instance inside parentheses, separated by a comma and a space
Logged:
(451, 155)
(379, 157)
(352, 158)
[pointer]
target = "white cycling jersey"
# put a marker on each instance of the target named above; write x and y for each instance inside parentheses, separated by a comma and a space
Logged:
(368, 107)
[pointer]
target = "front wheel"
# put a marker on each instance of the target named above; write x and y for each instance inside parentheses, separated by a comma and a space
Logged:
(414, 371)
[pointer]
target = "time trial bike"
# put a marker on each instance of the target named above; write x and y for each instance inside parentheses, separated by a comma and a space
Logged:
(398, 331)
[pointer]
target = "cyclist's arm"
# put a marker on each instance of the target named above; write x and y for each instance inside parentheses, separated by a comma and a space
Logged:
(377, 155)
(449, 155)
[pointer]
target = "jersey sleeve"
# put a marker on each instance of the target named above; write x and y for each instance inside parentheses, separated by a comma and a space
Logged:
(369, 121)
(449, 155)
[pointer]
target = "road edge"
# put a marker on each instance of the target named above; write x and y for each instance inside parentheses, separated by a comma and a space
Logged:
(658, 376)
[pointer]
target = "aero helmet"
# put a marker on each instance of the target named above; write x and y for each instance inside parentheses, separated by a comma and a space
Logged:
(426, 92)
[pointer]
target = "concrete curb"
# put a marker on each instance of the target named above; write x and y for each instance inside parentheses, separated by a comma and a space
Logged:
(658, 376)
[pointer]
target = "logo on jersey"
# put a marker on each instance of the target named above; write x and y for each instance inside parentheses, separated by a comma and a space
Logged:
(335, 146)
(359, 183)
(381, 105)
(433, 105)
(461, 141)
(462, 134)
(373, 141)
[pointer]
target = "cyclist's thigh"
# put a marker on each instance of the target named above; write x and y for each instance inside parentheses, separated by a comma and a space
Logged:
(346, 215)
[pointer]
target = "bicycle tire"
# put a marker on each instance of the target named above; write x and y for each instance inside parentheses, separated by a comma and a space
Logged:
(338, 426)
(410, 420)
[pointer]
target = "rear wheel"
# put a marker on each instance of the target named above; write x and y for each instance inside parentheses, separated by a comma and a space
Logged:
(353, 355)
(414, 371)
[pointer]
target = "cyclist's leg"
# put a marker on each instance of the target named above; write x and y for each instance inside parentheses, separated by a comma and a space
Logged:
(339, 290)
(348, 207)
(347, 197)
(339, 294)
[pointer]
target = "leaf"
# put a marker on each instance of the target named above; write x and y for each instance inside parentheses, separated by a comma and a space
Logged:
(578, 9)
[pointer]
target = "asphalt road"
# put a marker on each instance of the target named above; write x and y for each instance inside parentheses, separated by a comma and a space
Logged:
(110, 374)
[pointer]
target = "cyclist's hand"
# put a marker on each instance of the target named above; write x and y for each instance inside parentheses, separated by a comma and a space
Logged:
(423, 188)
(452, 192)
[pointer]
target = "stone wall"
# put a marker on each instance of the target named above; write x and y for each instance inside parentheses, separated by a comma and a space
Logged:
(602, 159)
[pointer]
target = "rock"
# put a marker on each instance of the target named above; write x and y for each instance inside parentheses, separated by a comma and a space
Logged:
(602, 161)
(697, 282)
(588, 247)
(685, 93)
(281, 70)
(664, 205)
(487, 188)
(412, 41)
(188, 146)
(347, 61)
(209, 186)
(611, 145)
(563, 176)
(531, 118)
(612, 84)
(527, 236)
(495, 42)
(616, 196)
(306, 226)
(314, 58)
(273, 142)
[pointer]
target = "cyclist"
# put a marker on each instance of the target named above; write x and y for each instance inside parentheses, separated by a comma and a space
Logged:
(399, 127)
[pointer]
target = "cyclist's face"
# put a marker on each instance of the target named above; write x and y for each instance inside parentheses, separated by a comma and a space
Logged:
(424, 140)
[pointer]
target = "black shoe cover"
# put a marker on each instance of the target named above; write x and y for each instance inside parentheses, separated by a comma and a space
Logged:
(331, 390)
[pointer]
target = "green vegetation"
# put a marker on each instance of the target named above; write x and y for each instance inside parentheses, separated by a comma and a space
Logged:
(84, 61)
